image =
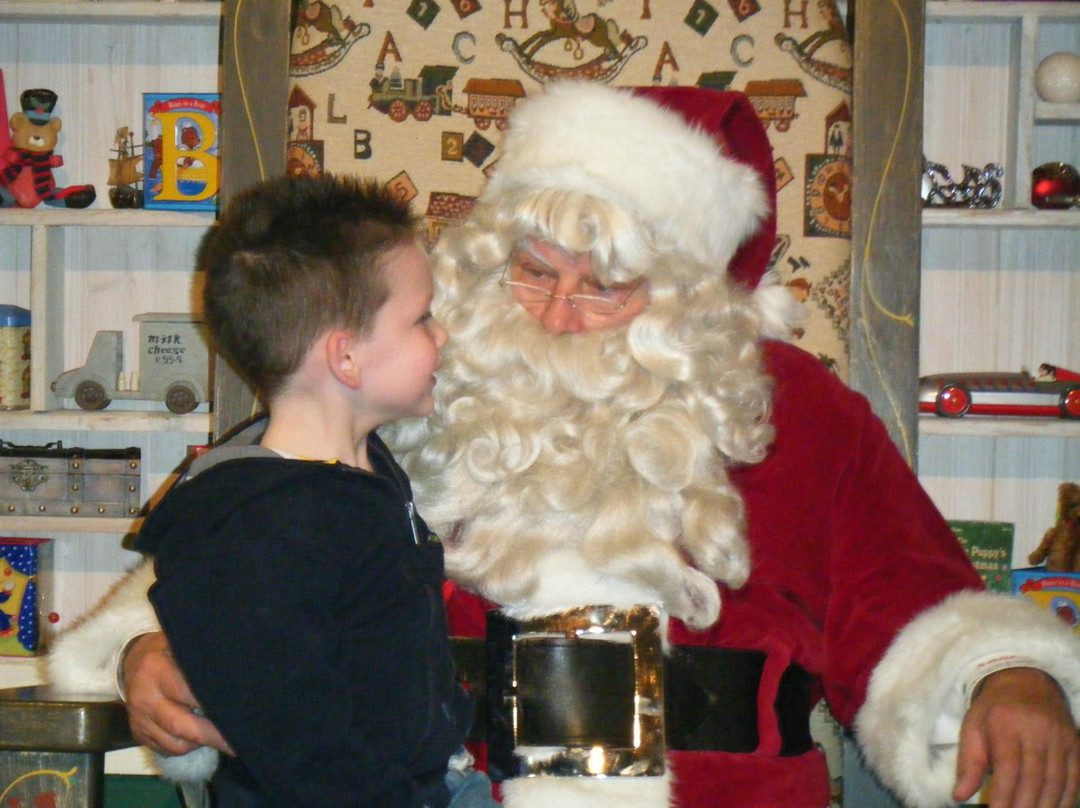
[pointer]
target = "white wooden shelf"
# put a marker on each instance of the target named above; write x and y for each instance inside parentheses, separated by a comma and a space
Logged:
(1045, 111)
(999, 287)
(981, 10)
(993, 426)
(44, 216)
(996, 218)
(68, 524)
(84, 271)
(81, 11)
(104, 421)
(20, 671)
(981, 103)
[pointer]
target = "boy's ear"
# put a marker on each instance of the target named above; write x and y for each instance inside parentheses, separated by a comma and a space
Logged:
(343, 358)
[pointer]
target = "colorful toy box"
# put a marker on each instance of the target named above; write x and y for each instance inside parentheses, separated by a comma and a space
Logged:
(1057, 592)
(14, 358)
(25, 567)
(181, 151)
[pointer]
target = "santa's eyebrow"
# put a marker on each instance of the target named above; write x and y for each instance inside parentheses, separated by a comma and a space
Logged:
(526, 248)
(592, 280)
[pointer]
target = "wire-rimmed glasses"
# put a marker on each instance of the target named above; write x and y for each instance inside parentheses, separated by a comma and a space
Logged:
(533, 283)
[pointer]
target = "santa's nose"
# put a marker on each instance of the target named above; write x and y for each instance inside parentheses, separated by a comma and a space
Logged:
(559, 317)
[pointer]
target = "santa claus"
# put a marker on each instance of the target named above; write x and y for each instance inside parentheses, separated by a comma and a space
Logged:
(688, 533)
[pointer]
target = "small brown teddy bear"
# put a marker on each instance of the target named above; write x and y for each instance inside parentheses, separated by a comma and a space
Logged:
(1060, 546)
(26, 177)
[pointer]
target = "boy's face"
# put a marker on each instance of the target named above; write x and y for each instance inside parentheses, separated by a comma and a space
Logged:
(400, 355)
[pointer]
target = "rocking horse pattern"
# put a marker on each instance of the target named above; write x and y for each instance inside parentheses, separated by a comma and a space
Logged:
(417, 94)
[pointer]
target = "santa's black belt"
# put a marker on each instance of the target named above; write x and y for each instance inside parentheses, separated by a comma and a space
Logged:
(577, 693)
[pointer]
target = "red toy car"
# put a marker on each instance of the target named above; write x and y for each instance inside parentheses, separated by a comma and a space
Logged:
(1055, 392)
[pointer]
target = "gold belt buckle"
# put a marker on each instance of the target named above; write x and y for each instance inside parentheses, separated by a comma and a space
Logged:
(533, 721)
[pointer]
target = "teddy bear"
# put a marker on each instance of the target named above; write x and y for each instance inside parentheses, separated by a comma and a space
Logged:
(1060, 547)
(26, 176)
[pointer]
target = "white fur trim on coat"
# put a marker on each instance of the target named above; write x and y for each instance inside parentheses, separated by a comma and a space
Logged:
(909, 725)
(668, 176)
(85, 657)
(587, 792)
(780, 312)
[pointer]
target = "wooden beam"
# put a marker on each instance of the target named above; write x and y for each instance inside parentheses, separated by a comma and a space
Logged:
(254, 122)
(887, 212)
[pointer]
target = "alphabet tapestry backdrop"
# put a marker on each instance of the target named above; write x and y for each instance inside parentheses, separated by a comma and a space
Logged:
(416, 93)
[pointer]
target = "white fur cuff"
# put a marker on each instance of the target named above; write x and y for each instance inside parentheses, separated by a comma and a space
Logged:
(909, 724)
(587, 792)
(84, 658)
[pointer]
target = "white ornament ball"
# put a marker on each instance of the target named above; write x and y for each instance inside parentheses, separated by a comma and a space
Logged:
(1057, 78)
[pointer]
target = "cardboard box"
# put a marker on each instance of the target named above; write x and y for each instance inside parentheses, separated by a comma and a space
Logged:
(181, 151)
(989, 545)
(1057, 592)
(25, 567)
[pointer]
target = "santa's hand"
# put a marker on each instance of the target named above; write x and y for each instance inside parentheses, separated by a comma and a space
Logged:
(161, 707)
(1020, 728)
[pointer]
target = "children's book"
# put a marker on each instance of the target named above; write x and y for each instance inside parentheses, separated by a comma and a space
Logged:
(181, 152)
(989, 545)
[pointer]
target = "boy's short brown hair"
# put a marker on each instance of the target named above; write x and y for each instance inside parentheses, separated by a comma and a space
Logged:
(292, 258)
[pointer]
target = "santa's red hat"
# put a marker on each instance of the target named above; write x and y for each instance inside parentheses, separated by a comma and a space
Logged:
(731, 120)
(692, 164)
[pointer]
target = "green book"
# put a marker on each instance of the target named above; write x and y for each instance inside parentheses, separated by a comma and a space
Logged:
(989, 546)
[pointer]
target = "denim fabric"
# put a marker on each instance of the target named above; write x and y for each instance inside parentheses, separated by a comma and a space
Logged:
(468, 787)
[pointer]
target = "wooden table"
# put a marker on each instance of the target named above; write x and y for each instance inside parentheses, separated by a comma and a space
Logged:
(52, 747)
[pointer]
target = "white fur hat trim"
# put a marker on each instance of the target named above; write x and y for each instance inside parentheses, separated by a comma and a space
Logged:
(612, 144)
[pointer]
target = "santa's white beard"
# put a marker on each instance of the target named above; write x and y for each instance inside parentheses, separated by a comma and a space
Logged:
(562, 473)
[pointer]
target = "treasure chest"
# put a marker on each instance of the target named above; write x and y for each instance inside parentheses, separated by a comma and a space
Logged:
(51, 480)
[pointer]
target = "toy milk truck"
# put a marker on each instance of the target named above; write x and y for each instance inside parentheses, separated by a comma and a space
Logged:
(173, 366)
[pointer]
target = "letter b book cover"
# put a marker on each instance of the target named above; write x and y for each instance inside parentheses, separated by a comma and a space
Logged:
(181, 150)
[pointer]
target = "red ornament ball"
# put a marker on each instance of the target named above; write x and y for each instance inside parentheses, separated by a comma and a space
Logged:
(1051, 181)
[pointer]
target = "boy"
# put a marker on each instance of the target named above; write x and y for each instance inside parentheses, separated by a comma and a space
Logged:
(299, 589)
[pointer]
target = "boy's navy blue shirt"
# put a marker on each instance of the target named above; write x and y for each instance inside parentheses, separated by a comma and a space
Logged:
(304, 605)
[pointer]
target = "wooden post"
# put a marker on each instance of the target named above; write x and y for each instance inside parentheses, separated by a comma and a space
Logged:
(887, 211)
(886, 238)
(255, 96)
